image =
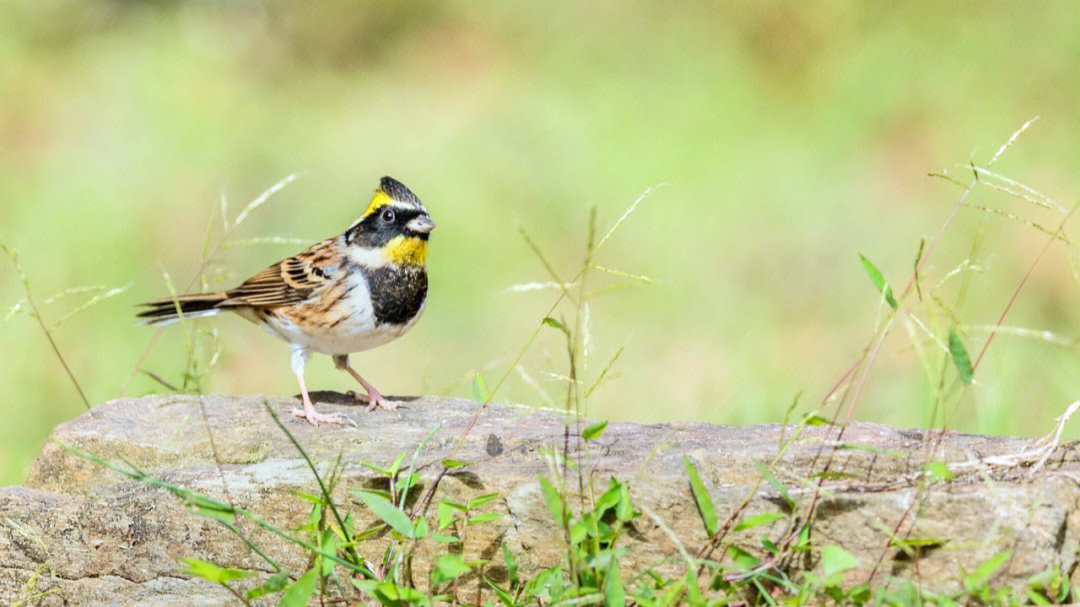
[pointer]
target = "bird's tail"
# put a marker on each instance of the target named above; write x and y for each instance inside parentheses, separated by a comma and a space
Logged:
(166, 311)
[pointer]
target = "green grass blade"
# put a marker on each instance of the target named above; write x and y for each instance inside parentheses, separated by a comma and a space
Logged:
(986, 569)
(879, 281)
(758, 520)
(594, 431)
(387, 512)
(480, 389)
(212, 572)
(554, 501)
(412, 464)
(614, 594)
(322, 486)
(557, 324)
(298, 594)
(960, 357)
(702, 497)
(775, 484)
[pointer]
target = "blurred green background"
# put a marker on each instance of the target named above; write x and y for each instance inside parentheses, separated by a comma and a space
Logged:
(790, 138)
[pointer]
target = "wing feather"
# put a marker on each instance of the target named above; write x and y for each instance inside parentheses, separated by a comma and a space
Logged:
(289, 281)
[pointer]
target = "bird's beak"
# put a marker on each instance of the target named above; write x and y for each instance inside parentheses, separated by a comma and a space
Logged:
(421, 224)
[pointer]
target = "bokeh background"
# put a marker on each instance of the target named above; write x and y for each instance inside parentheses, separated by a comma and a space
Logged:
(790, 137)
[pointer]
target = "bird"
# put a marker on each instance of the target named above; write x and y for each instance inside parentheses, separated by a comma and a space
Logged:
(350, 293)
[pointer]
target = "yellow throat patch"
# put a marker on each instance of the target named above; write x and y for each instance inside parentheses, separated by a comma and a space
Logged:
(406, 251)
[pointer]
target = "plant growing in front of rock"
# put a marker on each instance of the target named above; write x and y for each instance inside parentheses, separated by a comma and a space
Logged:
(784, 565)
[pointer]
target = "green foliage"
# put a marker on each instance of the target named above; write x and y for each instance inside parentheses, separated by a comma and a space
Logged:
(298, 594)
(593, 431)
(960, 357)
(480, 389)
(557, 324)
(211, 572)
(938, 472)
(879, 281)
(775, 484)
(390, 514)
(762, 570)
(701, 496)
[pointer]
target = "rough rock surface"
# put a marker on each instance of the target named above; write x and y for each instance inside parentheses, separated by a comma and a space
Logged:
(80, 534)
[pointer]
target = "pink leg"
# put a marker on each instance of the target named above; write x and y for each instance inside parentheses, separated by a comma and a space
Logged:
(373, 398)
(313, 416)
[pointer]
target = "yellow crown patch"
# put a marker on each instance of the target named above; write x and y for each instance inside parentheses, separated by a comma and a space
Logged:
(406, 251)
(380, 200)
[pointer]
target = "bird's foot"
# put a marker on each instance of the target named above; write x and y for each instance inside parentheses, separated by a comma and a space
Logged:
(377, 401)
(315, 418)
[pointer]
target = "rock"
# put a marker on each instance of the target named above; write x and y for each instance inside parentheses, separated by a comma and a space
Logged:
(80, 534)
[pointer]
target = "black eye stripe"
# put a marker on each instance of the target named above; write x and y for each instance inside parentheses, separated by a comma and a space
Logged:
(373, 231)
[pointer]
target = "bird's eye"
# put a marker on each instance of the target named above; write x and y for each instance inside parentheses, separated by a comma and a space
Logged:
(388, 216)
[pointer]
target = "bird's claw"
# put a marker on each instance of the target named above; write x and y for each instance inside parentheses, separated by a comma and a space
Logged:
(315, 418)
(376, 401)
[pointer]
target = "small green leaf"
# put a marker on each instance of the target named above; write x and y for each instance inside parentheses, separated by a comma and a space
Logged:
(446, 513)
(870, 449)
(449, 567)
(390, 594)
(504, 597)
(960, 357)
(453, 463)
(1036, 598)
(396, 466)
(770, 545)
(210, 508)
(404, 483)
(835, 475)
(624, 510)
(480, 389)
(420, 529)
(702, 497)
(554, 501)
(310, 497)
(614, 594)
(988, 568)
(274, 583)
(329, 546)
(758, 520)
(476, 502)
(484, 518)
(377, 469)
(813, 419)
(387, 512)
(511, 566)
(835, 559)
(918, 542)
(939, 472)
(555, 324)
(212, 572)
(594, 431)
(444, 539)
(579, 531)
(314, 517)
(775, 484)
(879, 281)
(298, 594)
(743, 560)
(610, 498)
(693, 592)
(803, 543)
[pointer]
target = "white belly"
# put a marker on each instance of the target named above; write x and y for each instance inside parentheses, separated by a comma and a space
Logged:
(356, 333)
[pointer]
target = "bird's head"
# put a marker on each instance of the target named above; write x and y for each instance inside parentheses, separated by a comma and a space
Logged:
(395, 225)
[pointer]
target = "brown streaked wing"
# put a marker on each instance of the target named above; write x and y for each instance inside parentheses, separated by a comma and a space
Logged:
(289, 281)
